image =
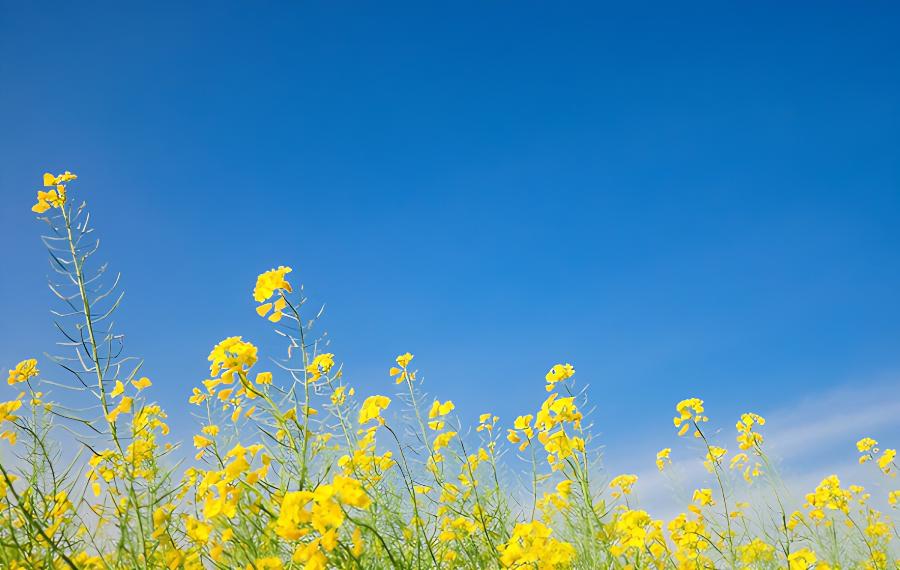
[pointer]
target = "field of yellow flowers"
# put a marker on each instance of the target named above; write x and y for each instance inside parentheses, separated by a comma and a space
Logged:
(291, 470)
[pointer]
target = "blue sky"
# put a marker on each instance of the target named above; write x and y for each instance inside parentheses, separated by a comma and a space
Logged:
(679, 199)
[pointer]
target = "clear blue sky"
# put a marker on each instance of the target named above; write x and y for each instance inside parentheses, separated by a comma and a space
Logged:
(678, 198)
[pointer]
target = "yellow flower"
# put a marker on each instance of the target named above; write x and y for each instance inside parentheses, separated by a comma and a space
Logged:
(404, 359)
(277, 314)
(634, 531)
(50, 180)
(371, 409)
(142, 383)
(690, 412)
(662, 458)
(757, 551)
(339, 396)
(437, 412)
(703, 497)
(358, 543)
(747, 438)
(714, 457)
(401, 374)
(623, 483)
(351, 492)
(320, 366)
(523, 425)
(124, 406)
(197, 397)
(264, 378)
(200, 442)
(117, 390)
(801, 559)
(866, 444)
(886, 461)
(443, 440)
(532, 546)
(487, 422)
(828, 496)
(269, 282)
(439, 409)
(23, 371)
(795, 519)
(7, 408)
(196, 530)
(232, 355)
(558, 373)
(55, 198)
(267, 563)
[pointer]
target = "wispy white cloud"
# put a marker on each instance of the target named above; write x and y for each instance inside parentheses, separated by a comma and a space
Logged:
(807, 440)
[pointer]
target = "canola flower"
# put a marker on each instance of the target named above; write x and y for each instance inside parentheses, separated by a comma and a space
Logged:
(23, 371)
(290, 468)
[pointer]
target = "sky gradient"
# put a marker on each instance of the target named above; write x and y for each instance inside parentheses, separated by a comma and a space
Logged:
(680, 200)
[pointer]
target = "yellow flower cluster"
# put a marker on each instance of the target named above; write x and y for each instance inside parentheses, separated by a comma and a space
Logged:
(320, 366)
(556, 423)
(23, 371)
(312, 519)
(55, 198)
(663, 458)
(636, 535)
(268, 284)
(558, 373)
(690, 412)
(828, 496)
(292, 470)
(231, 361)
(747, 438)
(372, 408)
(532, 546)
(401, 374)
(868, 449)
(622, 485)
(437, 414)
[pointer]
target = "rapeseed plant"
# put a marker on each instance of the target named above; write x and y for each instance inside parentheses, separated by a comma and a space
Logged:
(289, 469)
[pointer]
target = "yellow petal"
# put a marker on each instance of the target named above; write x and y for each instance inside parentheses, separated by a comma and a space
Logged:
(142, 383)
(263, 309)
(275, 317)
(49, 179)
(118, 389)
(40, 207)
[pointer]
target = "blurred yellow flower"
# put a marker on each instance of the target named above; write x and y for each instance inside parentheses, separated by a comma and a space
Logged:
(404, 359)
(142, 383)
(23, 371)
(124, 406)
(662, 458)
(801, 559)
(622, 484)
